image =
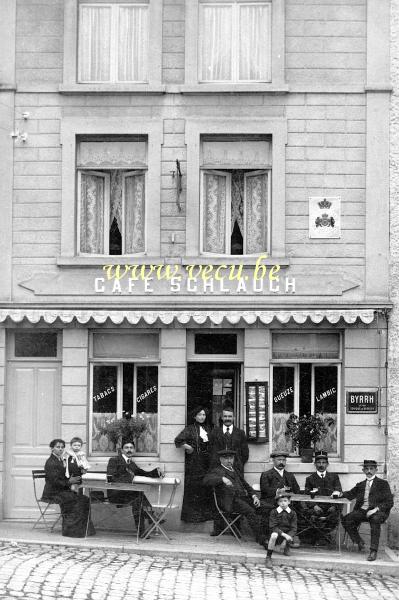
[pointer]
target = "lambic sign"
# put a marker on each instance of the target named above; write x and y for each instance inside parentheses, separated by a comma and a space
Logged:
(362, 402)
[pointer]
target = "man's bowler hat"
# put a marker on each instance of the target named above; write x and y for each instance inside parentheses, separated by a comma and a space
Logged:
(369, 463)
(279, 453)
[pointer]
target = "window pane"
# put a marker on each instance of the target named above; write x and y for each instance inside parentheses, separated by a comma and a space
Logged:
(254, 33)
(214, 217)
(115, 217)
(306, 345)
(92, 198)
(305, 389)
(126, 345)
(256, 192)
(283, 405)
(135, 213)
(128, 386)
(147, 407)
(94, 43)
(210, 343)
(104, 404)
(133, 43)
(215, 32)
(35, 343)
(326, 402)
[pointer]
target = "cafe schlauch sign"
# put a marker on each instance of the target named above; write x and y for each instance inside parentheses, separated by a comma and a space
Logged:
(362, 402)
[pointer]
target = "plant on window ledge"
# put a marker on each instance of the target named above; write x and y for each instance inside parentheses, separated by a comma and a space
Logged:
(127, 427)
(306, 431)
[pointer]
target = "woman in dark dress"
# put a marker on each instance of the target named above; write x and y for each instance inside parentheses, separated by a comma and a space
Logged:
(75, 508)
(197, 503)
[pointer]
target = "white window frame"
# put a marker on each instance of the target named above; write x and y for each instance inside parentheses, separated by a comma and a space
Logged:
(228, 211)
(119, 395)
(71, 82)
(295, 364)
(192, 53)
(235, 58)
(107, 199)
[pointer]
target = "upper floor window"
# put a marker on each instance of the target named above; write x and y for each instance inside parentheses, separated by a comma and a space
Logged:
(113, 42)
(235, 41)
(111, 197)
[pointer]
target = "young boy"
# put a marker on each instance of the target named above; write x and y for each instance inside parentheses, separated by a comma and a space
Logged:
(76, 461)
(282, 525)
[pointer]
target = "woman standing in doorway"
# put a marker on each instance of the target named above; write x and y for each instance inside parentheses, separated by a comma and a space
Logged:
(197, 504)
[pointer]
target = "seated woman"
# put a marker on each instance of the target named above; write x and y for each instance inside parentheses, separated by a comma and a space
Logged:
(75, 508)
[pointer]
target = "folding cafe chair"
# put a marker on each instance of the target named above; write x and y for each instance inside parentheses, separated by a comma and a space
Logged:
(45, 505)
(230, 520)
(159, 505)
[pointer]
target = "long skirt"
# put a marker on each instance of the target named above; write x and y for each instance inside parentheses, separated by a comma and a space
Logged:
(198, 505)
(75, 509)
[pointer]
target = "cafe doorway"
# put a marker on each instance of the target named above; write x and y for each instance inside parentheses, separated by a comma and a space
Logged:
(211, 384)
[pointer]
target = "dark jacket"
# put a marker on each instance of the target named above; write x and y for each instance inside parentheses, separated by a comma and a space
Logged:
(270, 482)
(226, 494)
(191, 435)
(123, 473)
(326, 486)
(283, 522)
(380, 495)
(236, 441)
(56, 480)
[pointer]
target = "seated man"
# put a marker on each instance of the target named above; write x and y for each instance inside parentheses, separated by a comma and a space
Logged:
(233, 493)
(276, 478)
(324, 516)
(373, 504)
(122, 469)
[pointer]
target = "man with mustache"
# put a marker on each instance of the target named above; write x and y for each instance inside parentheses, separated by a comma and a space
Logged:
(229, 437)
(277, 478)
(122, 469)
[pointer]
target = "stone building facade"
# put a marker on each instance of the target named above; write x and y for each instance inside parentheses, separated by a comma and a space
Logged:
(141, 140)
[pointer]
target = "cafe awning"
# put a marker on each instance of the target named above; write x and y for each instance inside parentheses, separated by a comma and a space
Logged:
(186, 317)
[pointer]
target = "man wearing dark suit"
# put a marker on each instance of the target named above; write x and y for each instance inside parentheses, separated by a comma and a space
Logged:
(228, 437)
(233, 493)
(324, 516)
(373, 504)
(277, 478)
(122, 469)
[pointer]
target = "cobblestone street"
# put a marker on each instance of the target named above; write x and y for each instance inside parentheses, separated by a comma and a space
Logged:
(40, 572)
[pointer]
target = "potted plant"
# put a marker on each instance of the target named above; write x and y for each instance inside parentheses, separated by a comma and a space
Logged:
(306, 431)
(127, 427)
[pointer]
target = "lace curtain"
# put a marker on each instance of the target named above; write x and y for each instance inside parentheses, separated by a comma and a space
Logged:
(92, 214)
(256, 201)
(235, 42)
(135, 213)
(104, 58)
(214, 213)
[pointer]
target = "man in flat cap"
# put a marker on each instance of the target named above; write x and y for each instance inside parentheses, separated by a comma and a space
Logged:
(373, 504)
(122, 469)
(229, 437)
(324, 516)
(276, 478)
(233, 493)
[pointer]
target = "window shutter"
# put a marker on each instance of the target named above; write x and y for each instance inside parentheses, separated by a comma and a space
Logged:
(255, 211)
(94, 194)
(134, 210)
(216, 187)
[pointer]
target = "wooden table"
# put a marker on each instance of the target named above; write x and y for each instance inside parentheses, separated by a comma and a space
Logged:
(140, 485)
(344, 502)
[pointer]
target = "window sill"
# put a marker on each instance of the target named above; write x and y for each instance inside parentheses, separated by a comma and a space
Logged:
(226, 88)
(111, 88)
(335, 466)
(235, 260)
(99, 261)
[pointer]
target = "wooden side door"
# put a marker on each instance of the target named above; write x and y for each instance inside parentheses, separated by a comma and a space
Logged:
(33, 419)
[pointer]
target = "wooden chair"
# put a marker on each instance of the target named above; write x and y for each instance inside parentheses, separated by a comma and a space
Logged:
(44, 504)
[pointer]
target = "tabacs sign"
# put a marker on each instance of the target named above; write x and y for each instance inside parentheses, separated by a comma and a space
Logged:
(362, 402)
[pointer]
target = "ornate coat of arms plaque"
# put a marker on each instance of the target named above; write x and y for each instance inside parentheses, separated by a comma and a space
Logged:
(324, 217)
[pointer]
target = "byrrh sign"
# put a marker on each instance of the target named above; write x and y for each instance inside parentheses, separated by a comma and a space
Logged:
(362, 402)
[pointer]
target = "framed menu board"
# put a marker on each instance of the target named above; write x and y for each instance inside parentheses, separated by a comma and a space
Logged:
(257, 405)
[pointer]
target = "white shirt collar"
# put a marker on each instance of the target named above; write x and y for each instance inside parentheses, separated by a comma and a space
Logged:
(230, 428)
(321, 474)
(126, 457)
(280, 510)
(370, 479)
(280, 472)
(227, 469)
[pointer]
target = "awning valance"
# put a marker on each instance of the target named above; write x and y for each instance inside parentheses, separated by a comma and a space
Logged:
(185, 317)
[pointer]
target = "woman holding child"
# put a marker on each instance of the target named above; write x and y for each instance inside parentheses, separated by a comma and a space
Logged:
(75, 508)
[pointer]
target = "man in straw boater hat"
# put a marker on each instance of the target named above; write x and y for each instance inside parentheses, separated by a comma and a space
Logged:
(233, 493)
(276, 478)
(324, 516)
(373, 504)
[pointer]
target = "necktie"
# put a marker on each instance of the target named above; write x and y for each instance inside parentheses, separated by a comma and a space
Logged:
(322, 475)
(365, 504)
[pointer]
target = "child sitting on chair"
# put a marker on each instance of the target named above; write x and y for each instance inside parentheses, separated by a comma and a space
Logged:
(76, 463)
(282, 525)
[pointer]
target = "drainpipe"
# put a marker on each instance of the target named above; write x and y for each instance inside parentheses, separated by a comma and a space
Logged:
(385, 314)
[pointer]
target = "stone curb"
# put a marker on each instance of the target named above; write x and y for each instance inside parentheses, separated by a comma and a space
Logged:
(380, 567)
